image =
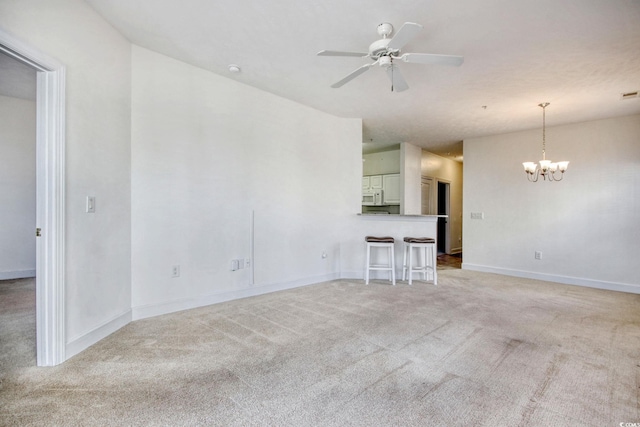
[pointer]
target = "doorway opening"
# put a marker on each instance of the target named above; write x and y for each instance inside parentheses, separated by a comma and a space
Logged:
(50, 187)
(18, 213)
(444, 241)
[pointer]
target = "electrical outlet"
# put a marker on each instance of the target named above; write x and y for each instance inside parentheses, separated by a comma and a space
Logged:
(538, 255)
(175, 271)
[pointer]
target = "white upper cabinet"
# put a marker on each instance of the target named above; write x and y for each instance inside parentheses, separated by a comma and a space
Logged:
(366, 183)
(373, 182)
(376, 182)
(391, 189)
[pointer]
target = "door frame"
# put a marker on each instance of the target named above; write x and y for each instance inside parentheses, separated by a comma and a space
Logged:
(50, 198)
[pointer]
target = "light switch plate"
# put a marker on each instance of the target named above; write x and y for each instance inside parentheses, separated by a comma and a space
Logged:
(91, 204)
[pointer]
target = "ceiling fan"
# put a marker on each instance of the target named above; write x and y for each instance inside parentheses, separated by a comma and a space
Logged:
(386, 52)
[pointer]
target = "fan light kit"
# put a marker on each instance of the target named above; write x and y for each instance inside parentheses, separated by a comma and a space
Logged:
(385, 51)
(546, 168)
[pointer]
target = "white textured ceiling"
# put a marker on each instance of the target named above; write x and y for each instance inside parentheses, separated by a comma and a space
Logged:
(579, 55)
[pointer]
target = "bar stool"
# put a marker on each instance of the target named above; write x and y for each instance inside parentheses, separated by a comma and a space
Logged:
(381, 242)
(423, 245)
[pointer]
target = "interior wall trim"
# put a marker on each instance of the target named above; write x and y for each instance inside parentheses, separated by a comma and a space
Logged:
(166, 307)
(566, 280)
(80, 343)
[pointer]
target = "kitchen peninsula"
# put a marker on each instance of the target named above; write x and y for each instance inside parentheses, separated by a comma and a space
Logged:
(396, 226)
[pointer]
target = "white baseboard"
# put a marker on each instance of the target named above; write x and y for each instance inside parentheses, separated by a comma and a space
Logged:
(567, 280)
(151, 310)
(18, 274)
(80, 343)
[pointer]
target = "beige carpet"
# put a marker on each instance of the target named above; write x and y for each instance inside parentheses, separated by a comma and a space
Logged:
(478, 349)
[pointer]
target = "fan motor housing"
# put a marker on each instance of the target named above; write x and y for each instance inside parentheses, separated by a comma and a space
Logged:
(385, 61)
(380, 48)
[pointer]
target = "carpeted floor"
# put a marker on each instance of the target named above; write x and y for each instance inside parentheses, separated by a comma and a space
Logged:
(478, 349)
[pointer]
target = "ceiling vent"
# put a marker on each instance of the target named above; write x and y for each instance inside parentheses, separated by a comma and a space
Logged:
(629, 95)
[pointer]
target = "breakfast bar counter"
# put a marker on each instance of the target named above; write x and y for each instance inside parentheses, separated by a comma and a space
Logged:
(393, 225)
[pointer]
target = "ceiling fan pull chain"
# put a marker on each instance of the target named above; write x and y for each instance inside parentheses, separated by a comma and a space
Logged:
(391, 78)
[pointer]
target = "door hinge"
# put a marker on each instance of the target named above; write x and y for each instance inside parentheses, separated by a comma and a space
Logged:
(38, 232)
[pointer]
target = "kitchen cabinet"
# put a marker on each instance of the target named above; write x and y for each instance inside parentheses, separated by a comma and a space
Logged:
(372, 182)
(391, 189)
(389, 184)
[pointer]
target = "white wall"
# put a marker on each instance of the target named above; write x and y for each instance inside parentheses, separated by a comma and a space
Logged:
(586, 226)
(98, 115)
(447, 170)
(384, 162)
(410, 167)
(208, 155)
(17, 187)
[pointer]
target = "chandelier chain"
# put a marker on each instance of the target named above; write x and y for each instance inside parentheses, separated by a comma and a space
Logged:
(544, 138)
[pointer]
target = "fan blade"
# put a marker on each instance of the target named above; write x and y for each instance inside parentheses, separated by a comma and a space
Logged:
(339, 53)
(398, 83)
(428, 58)
(408, 31)
(353, 75)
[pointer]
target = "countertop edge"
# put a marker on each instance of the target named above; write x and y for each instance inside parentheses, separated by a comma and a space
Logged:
(399, 216)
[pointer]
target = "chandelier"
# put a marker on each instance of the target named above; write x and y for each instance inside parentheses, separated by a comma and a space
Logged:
(546, 168)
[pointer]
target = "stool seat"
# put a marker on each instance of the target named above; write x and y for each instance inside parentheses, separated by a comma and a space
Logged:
(419, 240)
(387, 243)
(423, 245)
(379, 239)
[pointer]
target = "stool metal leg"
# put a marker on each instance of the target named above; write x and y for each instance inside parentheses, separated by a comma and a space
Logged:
(392, 262)
(410, 265)
(366, 267)
(404, 260)
(425, 263)
(434, 263)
